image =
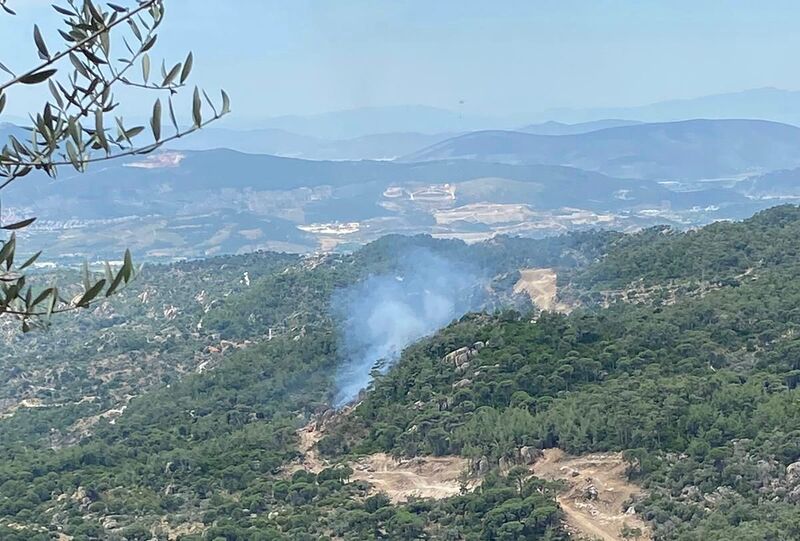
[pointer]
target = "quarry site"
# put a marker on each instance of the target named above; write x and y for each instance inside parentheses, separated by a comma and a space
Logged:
(400, 480)
(541, 286)
(598, 501)
(596, 497)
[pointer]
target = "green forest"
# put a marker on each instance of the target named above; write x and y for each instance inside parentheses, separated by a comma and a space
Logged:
(681, 351)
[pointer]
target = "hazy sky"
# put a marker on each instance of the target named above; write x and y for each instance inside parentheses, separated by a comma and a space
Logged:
(497, 57)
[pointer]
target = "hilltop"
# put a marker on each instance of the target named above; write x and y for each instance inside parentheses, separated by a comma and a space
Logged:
(689, 149)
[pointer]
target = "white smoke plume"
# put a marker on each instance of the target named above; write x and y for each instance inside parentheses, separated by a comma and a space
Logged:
(384, 314)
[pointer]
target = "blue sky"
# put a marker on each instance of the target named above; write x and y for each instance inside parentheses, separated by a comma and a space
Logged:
(498, 57)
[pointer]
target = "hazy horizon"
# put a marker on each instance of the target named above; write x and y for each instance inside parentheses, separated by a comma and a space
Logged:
(477, 59)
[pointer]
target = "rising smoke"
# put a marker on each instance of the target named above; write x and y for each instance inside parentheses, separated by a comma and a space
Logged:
(383, 314)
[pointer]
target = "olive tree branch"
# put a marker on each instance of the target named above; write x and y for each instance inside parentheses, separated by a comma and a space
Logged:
(78, 45)
(134, 151)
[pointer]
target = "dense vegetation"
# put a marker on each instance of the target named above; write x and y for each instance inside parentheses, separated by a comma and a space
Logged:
(209, 444)
(702, 394)
(92, 361)
(696, 381)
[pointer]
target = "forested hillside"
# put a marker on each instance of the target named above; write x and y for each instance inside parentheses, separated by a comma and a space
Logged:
(248, 353)
(679, 350)
(698, 386)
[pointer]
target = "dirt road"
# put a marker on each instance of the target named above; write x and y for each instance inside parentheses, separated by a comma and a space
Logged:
(597, 496)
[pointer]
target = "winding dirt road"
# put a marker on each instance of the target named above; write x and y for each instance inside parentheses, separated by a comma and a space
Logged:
(597, 496)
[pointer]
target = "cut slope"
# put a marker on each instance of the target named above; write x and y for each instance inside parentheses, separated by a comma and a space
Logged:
(540, 285)
(597, 495)
(419, 477)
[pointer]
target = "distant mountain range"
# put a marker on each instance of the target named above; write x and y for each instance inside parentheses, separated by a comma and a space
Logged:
(552, 127)
(773, 104)
(198, 198)
(768, 103)
(692, 149)
(7, 129)
(353, 123)
(193, 203)
(381, 146)
(783, 184)
(380, 133)
(173, 182)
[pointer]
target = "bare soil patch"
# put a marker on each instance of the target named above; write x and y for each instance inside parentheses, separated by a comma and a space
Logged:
(400, 480)
(310, 461)
(540, 285)
(597, 500)
(419, 477)
(486, 213)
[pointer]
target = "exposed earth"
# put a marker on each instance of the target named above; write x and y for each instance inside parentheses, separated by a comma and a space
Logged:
(597, 498)
(419, 477)
(540, 286)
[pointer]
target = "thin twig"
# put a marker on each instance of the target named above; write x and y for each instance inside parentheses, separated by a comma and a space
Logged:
(78, 45)
(131, 152)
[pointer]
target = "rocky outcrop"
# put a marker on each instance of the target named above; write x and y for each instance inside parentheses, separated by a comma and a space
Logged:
(793, 473)
(322, 416)
(590, 490)
(528, 455)
(523, 456)
(461, 357)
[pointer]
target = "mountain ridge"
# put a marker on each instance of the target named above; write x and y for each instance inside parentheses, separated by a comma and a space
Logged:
(768, 103)
(553, 127)
(698, 148)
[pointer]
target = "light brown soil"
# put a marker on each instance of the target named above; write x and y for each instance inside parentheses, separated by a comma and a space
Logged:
(311, 460)
(486, 213)
(428, 477)
(540, 285)
(420, 477)
(602, 517)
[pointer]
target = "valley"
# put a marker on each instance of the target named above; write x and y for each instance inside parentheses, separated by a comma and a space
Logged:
(500, 331)
(183, 203)
(399, 271)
